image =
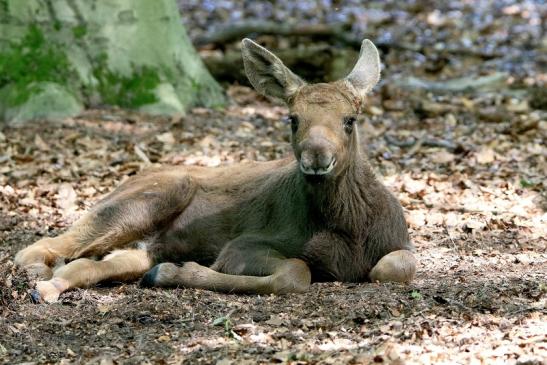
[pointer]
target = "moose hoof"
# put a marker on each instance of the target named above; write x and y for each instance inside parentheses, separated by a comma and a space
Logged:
(397, 266)
(36, 297)
(162, 275)
(46, 291)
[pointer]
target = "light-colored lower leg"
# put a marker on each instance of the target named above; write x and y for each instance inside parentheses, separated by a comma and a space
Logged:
(39, 258)
(122, 265)
(397, 266)
(292, 276)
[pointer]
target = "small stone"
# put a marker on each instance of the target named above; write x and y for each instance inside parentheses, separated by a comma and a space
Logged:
(485, 156)
(397, 325)
(505, 324)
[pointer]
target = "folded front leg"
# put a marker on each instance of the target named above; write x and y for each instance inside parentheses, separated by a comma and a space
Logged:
(397, 266)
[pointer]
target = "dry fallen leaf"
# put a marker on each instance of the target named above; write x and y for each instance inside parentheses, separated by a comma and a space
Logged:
(208, 142)
(66, 198)
(413, 186)
(435, 218)
(39, 142)
(442, 157)
(416, 218)
(473, 224)
(485, 155)
(166, 138)
(274, 321)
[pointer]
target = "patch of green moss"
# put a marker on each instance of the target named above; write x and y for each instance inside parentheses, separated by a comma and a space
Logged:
(127, 91)
(4, 9)
(79, 31)
(30, 61)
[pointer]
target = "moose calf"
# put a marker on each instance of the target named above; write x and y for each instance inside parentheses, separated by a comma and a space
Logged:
(268, 227)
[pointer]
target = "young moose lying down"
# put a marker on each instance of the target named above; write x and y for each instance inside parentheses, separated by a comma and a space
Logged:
(256, 228)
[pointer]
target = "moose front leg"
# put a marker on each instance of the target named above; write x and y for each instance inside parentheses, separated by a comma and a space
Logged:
(397, 266)
(240, 268)
(333, 257)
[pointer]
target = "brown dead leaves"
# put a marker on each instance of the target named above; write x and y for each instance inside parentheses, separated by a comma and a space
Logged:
(67, 199)
(474, 212)
(14, 284)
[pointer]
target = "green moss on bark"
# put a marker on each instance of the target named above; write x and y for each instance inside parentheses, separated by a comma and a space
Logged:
(27, 63)
(129, 53)
(31, 61)
(131, 91)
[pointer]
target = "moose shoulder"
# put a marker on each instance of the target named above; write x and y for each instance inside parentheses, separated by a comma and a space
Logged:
(258, 228)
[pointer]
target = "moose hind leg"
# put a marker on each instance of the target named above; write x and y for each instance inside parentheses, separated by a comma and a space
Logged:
(89, 236)
(38, 258)
(128, 214)
(397, 266)
(120, 265)
(253, 255)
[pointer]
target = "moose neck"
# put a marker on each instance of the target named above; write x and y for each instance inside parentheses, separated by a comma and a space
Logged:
(346, 200)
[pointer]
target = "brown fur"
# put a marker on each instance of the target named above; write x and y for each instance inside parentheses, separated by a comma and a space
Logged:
(254, 227)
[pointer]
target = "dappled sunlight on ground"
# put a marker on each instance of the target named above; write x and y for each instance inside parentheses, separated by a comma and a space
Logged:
(478, 229)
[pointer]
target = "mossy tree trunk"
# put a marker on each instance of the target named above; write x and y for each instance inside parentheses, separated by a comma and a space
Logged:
(59, 56)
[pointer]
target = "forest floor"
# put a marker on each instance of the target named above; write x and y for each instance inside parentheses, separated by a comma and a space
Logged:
(475, 212)
(466, 160)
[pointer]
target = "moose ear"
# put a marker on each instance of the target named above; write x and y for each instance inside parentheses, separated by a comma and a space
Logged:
(268, 75)
(366, 72)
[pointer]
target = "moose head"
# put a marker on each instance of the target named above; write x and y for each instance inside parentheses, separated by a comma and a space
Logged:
(322, 116)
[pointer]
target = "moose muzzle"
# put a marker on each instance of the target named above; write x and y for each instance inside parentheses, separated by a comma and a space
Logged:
(317, 155)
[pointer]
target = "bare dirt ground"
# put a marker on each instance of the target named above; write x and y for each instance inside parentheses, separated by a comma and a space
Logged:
(472, 191)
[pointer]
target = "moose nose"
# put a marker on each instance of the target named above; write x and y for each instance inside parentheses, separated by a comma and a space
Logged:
(316, 157)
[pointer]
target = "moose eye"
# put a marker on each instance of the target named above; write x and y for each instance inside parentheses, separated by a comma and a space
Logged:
(348, 123)
(293, 120)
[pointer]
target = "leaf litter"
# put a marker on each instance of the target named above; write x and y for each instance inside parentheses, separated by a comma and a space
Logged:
(480, 238)
(468, 167)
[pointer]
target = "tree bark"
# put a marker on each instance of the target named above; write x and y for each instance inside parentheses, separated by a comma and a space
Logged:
(131, 53)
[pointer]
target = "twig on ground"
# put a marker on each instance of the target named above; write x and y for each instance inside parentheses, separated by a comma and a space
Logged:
(425, 141)
(416, 147)
(235, 31)
(141, 155)
(460, 85)
(442, 143)
(395, 142)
